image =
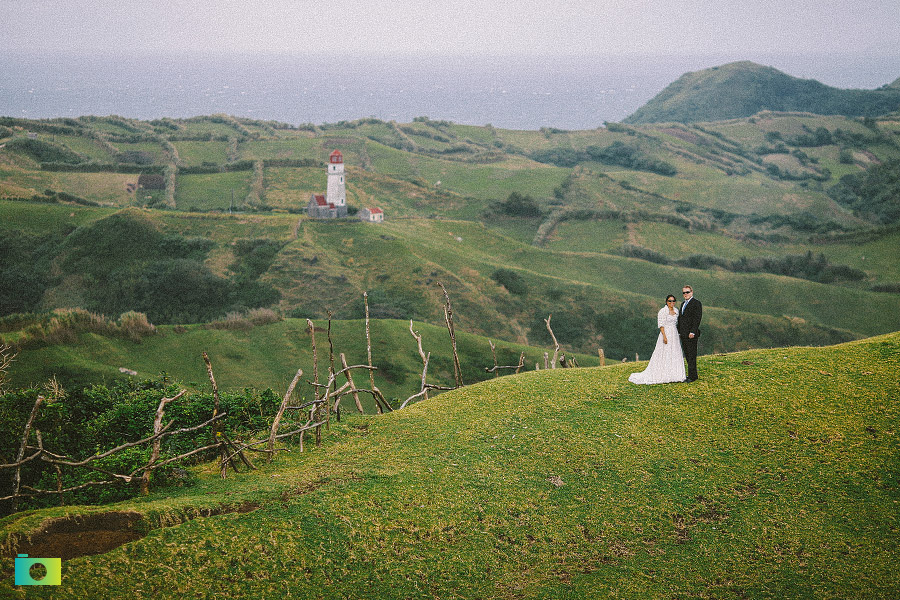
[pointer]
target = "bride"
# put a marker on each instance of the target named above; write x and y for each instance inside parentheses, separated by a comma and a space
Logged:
(667, 363)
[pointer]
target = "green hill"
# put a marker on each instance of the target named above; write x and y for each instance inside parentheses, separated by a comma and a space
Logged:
(776, 475)
(743, 89)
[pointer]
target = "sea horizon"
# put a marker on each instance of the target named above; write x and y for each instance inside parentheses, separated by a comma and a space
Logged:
(573, 92)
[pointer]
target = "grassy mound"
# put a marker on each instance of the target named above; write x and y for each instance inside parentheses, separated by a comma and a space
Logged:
(777, 475)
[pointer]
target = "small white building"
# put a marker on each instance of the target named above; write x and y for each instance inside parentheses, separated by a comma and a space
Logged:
(371, 215)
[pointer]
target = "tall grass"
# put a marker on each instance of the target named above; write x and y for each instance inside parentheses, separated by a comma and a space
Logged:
(65, 326)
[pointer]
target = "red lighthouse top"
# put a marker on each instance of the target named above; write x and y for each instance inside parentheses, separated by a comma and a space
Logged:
(336, 157)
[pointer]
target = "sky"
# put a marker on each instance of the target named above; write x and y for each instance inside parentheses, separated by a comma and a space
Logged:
(454, 27)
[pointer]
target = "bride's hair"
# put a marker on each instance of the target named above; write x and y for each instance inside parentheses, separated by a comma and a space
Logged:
(672, 297)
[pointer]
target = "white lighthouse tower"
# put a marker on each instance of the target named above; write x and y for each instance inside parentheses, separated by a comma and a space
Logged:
(336, 193)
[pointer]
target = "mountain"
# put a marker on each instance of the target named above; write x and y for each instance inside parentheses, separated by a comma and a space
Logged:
(742, 89)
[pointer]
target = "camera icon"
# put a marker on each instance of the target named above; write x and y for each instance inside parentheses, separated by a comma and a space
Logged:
(24, 576)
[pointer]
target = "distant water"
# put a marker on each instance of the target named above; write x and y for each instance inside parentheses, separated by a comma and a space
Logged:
(513, 93)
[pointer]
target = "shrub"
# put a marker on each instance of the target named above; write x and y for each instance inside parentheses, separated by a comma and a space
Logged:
(234, 321)
(647, 254)
(263, 316)
(135, 326)
(519, 205)
(511, 280)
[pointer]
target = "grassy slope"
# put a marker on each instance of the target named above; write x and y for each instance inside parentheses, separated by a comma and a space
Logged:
(775, 476)
(575, 261)
(269, 355)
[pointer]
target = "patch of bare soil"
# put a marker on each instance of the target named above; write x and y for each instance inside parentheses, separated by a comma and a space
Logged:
(85, 535)
(82, 535)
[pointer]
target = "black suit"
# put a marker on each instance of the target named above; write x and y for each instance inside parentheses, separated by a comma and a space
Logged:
(688, 323)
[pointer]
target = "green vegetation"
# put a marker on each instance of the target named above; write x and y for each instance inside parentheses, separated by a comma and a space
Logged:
(513, 240)
(806, 266)
(873, 194)
(110, 415)
(742, 89)
(617, 153)
(775, 475)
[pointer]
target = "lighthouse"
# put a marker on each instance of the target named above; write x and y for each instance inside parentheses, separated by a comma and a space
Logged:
(332, 204)
(336, 193)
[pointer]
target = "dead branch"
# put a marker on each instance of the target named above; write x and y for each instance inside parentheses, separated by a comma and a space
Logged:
(312, 332)
(448, 318)
(215, 388)
(425, 358)
(330, 371)
(277, 421)
(37, 492)
(7, 356)
(496, 367)
(216, 430)
(60, 459)
(555, 343)
(369, 358)
(494, 354)
(306, 427)
(154, 452)
(352, 385)
(17, 475)
(185, 455)
(402, 406)
(442, 388)
(239, 452)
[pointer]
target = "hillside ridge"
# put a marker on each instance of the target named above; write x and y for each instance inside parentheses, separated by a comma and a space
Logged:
(743, 89)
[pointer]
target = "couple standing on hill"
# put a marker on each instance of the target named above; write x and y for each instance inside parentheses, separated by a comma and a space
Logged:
(667, 363)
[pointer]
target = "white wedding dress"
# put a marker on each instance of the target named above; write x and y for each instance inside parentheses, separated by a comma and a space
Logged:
(667, 363)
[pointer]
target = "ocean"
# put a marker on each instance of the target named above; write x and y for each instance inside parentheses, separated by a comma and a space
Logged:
(562, 92)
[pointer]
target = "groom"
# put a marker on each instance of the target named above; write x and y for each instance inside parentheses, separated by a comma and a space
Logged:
(689, 329)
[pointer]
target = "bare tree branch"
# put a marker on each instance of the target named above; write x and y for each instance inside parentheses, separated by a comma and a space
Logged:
(448, 317)
(352, 385)
(154, 453)
(425, 358)
(555, 343)
(277, 421)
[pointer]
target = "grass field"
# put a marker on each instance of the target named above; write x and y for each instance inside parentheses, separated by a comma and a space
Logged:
(774, 476)
(212, 192)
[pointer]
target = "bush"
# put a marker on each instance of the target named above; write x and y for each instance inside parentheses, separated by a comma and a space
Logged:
(518, 205)
(511, 280)
(647, 254)
(873, 194)
(135, 326)
(630, 157)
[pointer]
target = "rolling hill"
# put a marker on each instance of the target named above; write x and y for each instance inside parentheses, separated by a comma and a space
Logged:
(776, 220)
(776, 475)
(742, 89)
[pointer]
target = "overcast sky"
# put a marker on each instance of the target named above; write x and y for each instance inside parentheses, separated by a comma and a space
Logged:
(454, 27)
